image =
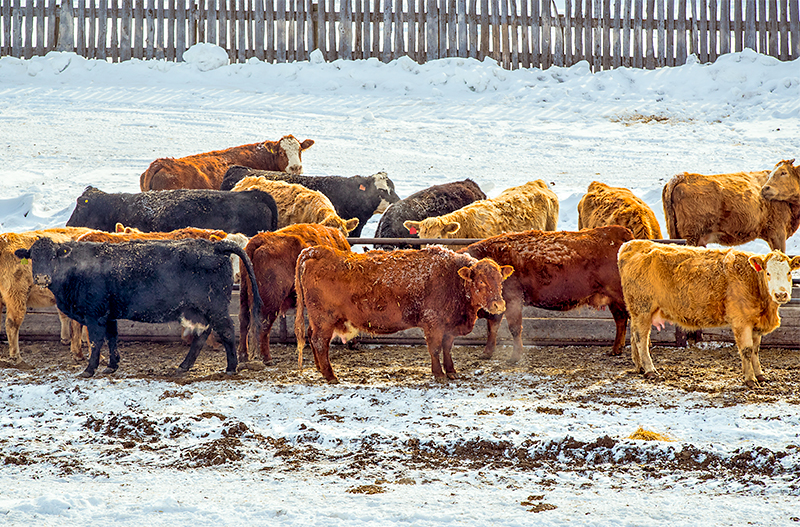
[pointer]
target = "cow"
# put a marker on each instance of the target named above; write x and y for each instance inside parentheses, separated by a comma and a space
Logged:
(382, 292)
(731, 209)
(558, 271)
(18, 291)
(529, 206)
(297, 204)
(151, 281)
(247, 213)
(206, 171)
(432, 201)
(353, 197)
(274, 255)
(695, 288)
(605, 205)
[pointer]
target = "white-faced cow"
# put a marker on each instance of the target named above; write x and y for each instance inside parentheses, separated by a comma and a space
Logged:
(152, 281)
(695, 288)
(207, 170)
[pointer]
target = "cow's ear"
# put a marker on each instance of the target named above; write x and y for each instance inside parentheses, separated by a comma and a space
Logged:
(794, 263)
(23, 254)
(465, 273)
(119, 227)
(412, 226)
(351, 224)
(757, 262)
(451, 228)
(506, 271)
(306, 144)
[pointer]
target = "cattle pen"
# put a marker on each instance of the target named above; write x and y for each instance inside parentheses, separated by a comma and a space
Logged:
(540, 327)
(516, 34)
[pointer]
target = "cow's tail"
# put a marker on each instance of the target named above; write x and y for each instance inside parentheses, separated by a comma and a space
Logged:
(669, 206)
(299, 316)
(255, 306)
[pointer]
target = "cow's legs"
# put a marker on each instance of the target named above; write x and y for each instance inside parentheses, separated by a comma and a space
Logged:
(15, 314)
(756, 358)
(492, 325)
(745, 342)
(447, 347)
(433, 338)
(224, 330)
(514, 318)
(620, 315)
(113, 353)
(97, 334)
(64, 320)
(244, 322)
(75, 339)
(263, 338)
(320, 344)
(640, 334)
(194, 350)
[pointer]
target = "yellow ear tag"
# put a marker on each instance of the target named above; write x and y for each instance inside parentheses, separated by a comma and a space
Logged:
(24, 261)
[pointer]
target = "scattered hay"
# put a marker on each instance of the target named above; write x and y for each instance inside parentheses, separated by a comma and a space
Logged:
(647, 435)
(367, 489)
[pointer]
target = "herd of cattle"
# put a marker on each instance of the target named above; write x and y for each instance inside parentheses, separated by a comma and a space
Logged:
(171, 252)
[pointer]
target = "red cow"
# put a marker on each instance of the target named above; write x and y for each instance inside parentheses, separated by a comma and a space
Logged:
(206, 171)
(274, 255)
(383, 292)
(557, 271)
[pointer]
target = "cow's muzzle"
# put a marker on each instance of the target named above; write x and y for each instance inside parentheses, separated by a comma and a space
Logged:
(782, 297)
(295, 169)
(768, 192)
(42, 280)
(496, 307)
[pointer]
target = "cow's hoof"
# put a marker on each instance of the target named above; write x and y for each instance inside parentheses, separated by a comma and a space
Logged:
(178, 372)
(66, 342)
(761, 378)
(453, 376)
(266, 361)
(230, 373)
(86, 374)
(333, 380)
(750, 384)
(613, 353)
(442, 379)
(486, 355)
(651, 375)
(108, 371)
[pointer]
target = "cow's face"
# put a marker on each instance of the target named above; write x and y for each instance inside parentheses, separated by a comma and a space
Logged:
(383, 188)
(783, 183)
(432, 228)
(42, 256)
(290, 154)
(776, 269)
(484, 281)
(86, 212)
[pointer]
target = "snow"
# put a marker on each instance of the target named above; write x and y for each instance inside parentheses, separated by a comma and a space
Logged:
(70, 122)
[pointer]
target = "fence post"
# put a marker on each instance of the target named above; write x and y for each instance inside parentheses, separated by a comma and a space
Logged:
(431, 36)
(750, 25)
(794, 9)
(66, 27)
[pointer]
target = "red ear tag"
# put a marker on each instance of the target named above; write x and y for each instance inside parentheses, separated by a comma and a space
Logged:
(362, 187)
(757, 267)
(412, 230)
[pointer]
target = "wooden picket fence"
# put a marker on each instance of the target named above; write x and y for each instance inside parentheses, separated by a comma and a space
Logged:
(515, 33)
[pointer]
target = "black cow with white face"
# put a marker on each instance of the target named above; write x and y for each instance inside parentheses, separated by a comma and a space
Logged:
(247, 212)
(146, 281)
(432, 201)
(352, 197)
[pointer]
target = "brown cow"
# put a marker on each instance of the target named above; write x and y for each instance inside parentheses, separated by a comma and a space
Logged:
(703, 288)
(274, 255)
(206, 171)
(731, 209)
(604, 205)
(529, 206)
(383, 292)
(18, 292)
(558, 271)
(298, 204)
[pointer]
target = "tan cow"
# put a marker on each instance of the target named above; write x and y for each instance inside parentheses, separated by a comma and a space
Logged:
(208, 169)
(18, 292)
(695, 288)
(529, 206)
(731, 209)
(298, 204)
(603, 205)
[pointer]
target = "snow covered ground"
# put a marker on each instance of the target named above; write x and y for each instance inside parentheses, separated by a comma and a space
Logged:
(68, 123)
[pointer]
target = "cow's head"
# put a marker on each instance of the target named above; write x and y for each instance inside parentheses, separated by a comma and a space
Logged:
(289, 151)
(775, 269)
(783, 183)
(335, 222)
(43, 255)
(484, 281)
(86, 212)
(432, 228)
(379, 188)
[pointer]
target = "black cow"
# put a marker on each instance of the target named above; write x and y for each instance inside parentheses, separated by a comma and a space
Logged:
(352, 197)
(146, 281)
(432, 201)
(248, 212)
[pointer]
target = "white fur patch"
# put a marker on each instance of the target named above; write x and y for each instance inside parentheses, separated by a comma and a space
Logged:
(292, 149)
(779, 280)
(382, 181)
(194, 327)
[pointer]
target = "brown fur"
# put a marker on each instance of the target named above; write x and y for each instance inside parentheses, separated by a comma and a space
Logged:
(18, 292)
(698, 288)
(546, 265)
(274, 255)
(603, 205)
(731, 209)
(206, 171)
(529, 206)
(129, 234)
(297, 204)
(383, 292)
